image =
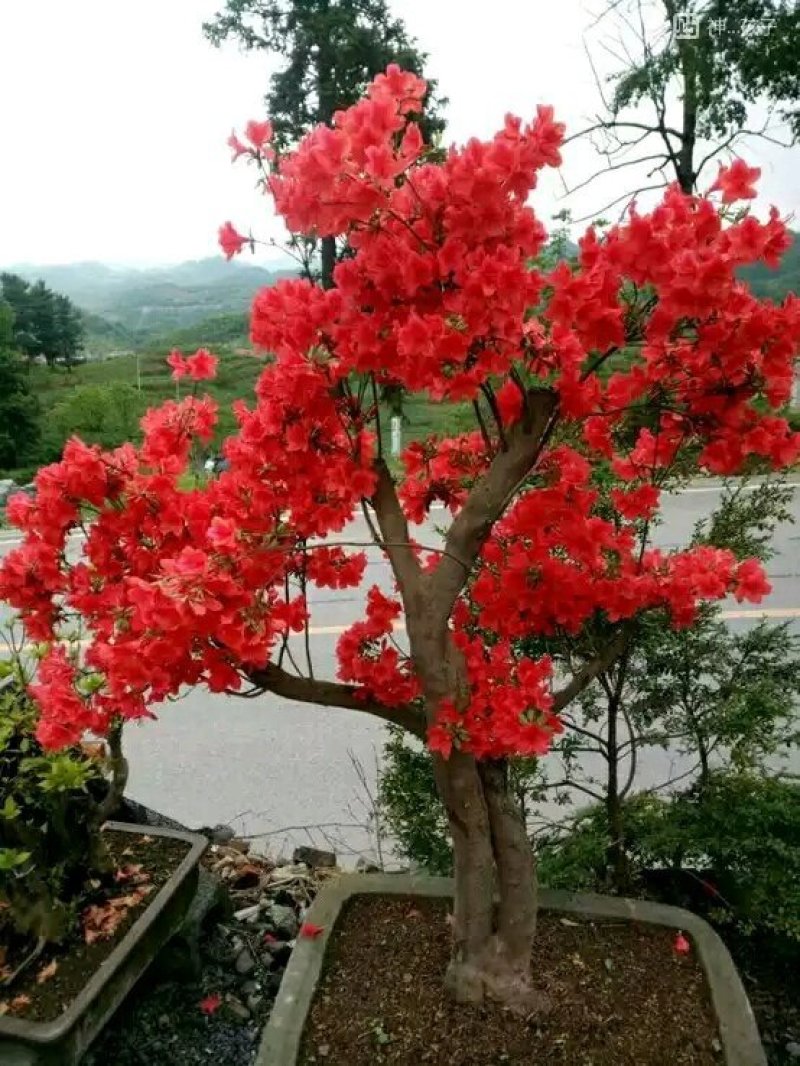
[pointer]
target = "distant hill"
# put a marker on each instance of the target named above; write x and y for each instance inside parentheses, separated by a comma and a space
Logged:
(775, 284)
(147, 303)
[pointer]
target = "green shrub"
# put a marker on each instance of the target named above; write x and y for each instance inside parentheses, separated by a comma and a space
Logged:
(50, 817)
(741, 830)
(410, 805)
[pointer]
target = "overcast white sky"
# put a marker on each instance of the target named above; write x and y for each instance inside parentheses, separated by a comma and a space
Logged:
(114, 115)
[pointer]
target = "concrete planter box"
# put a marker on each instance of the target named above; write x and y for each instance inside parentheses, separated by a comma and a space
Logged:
(282, 1037)
(62, 1041)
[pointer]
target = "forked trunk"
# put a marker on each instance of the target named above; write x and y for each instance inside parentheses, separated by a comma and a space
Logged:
(494, 918)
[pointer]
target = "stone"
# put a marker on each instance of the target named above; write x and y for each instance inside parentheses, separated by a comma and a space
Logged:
(245, 963)
(255, 1002)
(217, 834)
(288, 872)
(237, 1008)
(247, 914)
(250, 988)
(281, 954)
(314, 857)
(284, 898)
(180, 957)
(793, 1049)
(245, 876)
(366, 866)
(283, 920)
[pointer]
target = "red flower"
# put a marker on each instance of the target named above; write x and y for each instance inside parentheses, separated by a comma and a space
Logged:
(202, 366)
(236, 146)
(230, 240)
(210, 1004)
(681, 945)
(258, 133)
(183, 586)
(737, 182)
(309, 930)
(179, 365)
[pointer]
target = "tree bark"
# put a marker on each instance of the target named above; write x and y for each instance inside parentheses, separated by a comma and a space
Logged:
(492, 943)
(616, 859)
(685, 168)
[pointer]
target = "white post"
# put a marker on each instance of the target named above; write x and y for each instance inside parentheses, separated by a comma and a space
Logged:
(396, 434)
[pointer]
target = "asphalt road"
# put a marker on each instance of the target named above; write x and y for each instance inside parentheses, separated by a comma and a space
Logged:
(271, 767)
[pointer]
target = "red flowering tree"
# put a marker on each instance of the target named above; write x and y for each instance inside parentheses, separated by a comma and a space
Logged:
(438, 296)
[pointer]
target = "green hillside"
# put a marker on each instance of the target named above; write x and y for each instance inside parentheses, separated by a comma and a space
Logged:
(144, 304)
(775, 284)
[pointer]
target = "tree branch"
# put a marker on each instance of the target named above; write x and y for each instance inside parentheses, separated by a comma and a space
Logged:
(590, 670)
(272, 678)
(487, 501)
(396, 538)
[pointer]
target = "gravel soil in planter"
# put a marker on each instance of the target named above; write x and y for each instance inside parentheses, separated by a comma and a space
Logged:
(58, 975)
(210, 1009)
(369, 990)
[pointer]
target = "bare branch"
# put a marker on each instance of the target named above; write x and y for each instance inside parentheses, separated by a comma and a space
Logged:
(396, 538)
(611, 125)
(614, 166)
(629, 196)
(590, 670)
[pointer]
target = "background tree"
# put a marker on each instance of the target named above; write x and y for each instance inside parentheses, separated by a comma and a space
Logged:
(706, 696)
(107, 415)
(333, 49)
(19, 410)
(681, 101)
(46, 323)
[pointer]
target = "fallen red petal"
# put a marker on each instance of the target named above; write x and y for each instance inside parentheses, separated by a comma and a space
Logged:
(211, 1004)
(310, 930)
(681, 945)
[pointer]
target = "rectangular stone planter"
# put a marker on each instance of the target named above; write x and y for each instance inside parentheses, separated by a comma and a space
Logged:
(62, 1041)
(280, 1045)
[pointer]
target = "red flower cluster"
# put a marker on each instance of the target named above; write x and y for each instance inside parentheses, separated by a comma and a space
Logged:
(202, 366)
(180, 587)
(367, 656)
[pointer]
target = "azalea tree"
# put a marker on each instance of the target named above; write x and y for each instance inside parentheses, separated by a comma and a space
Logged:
(204, 586)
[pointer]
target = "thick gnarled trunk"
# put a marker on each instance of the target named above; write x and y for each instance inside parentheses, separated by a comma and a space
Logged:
(494, 919)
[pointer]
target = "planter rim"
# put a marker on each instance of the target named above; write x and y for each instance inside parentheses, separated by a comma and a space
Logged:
(283, 1033)
(49, 1032)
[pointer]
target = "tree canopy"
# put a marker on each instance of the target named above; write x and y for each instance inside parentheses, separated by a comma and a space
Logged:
(438, 295)
(46, 323)
(695, 71)
(19, 410)
(332, 49)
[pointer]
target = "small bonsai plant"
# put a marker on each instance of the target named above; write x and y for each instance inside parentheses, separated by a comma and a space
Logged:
(53, 805)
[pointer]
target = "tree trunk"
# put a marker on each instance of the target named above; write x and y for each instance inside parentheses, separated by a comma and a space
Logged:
(616, 858)
(685, 168)
(328, 261)
(492, 945)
